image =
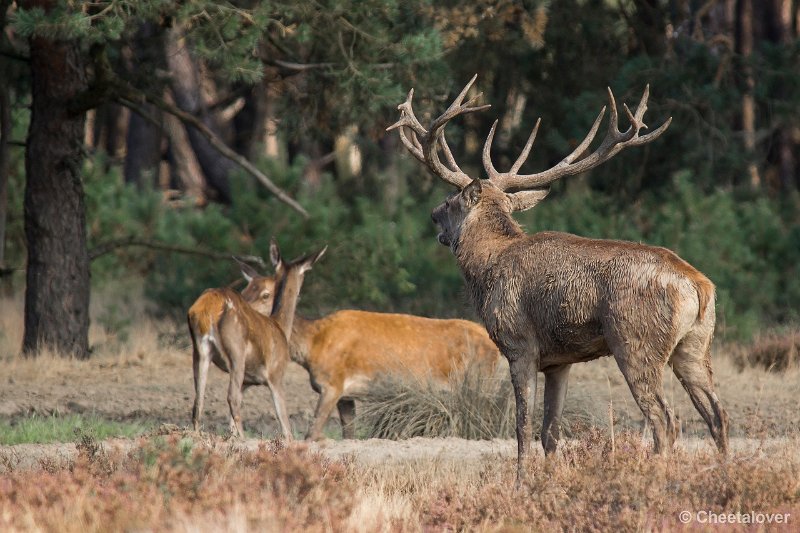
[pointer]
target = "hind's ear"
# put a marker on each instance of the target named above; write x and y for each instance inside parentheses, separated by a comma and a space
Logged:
(472, 193)
(313, 258)
(248, 272)
(274, 252)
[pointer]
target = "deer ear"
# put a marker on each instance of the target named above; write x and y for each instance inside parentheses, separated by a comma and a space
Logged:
(309, 261)
(274, 252)
(248, 272)
(472, 193)
(522, 200)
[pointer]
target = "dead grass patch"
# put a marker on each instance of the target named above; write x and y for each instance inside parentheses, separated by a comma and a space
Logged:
(775, 351)
(474, 404)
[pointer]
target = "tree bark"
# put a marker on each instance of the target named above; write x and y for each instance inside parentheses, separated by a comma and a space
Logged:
(186, 170)
(57, 291)
(779, 31)
(744, 46)
(144, 138)
(186, 90)
(5, 155)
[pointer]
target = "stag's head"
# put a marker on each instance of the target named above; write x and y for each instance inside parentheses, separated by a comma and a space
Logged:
(506, 192)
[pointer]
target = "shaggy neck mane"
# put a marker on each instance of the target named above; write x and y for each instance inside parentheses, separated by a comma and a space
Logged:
(487, 231)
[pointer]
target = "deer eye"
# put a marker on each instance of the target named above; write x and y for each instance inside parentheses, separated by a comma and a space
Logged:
(265, 296)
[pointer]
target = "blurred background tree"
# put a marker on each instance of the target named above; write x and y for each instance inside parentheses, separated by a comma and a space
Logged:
(189, 118)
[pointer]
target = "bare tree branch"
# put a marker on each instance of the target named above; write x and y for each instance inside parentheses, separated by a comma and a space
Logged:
(126, 242)
(127, 95)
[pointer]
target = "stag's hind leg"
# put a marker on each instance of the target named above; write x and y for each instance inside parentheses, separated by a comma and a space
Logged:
(645, 374)
(555, 392)
(691, 363)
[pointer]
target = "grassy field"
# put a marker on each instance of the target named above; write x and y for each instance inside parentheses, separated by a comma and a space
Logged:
(604, 476)
(54, 428)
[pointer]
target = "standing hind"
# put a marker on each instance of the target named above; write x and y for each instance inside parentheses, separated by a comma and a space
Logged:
(239, 339)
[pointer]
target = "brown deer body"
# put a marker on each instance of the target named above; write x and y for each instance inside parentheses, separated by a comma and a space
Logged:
(241, 340)
(552, 299)
(344, 351)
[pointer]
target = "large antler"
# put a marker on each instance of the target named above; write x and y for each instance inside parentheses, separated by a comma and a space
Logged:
(614, 142)
(424, 144)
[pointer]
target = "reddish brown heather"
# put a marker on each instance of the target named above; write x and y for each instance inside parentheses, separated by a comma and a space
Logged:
(596, 484)
(161, 487)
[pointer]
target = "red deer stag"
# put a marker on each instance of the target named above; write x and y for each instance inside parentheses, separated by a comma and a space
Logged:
(552, 299)
(241, 340)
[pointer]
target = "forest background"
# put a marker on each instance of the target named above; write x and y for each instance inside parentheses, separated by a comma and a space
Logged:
(144, 142)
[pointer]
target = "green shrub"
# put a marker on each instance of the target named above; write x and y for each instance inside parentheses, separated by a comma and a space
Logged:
(383, 253)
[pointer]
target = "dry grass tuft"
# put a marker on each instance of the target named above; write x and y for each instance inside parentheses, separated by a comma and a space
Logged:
(474, 405)
(145, 342)
(774, 352)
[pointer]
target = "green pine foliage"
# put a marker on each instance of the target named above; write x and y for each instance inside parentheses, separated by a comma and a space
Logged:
(389, 260)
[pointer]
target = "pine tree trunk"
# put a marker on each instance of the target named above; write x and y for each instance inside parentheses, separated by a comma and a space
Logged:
(779, 31)
(745, 39)
(144, 150)
(186, 91)
(57, 291)
(5, 137)
(144, 138)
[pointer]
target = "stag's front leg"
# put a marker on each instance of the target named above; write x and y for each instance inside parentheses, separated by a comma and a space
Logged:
(555, 392)
(521, 368)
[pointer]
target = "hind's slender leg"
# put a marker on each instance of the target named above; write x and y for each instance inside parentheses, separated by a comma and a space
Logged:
(201, 360)
(235, 393)
(278, 395)
(347, 411)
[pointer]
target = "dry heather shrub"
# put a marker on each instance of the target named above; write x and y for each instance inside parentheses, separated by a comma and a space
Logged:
(592, 488)
(776, 352)
(474, 405)
(169, 485)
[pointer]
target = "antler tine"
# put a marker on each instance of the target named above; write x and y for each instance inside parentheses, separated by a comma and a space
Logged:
(424, 144)
(575, 163)
(642, 107)
(409, 120)
(527, 150)
(447, 153)
(487, 154)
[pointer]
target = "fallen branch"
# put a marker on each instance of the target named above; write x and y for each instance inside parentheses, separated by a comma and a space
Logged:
(109, 246)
